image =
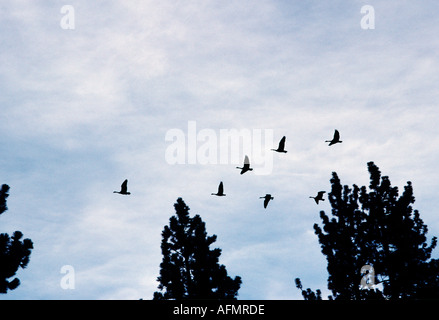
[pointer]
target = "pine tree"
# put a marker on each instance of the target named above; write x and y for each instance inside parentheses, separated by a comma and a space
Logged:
(14, 253)
(376, 230)
(190, 269)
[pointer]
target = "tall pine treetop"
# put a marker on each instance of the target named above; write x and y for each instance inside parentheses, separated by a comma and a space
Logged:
(376, 229)
(14, 252)
(190, 269)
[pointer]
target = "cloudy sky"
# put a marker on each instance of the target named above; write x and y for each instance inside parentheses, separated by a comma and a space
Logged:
(83, 109)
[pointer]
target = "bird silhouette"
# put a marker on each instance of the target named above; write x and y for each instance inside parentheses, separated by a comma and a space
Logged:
(319, 197)
(246, 166)
(267, 198)
(335, 139)
(123, 188)
(220, 192)
(281, 147)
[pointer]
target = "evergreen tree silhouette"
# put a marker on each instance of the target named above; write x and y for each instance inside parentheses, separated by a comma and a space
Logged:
(14, 253)
(377, 228)
(190, 269)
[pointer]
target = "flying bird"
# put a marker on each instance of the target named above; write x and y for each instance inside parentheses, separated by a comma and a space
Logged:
(319, 197)
(281, 147)
(220, 192)
(123, 188)
(267, 198)
(335, 139)
(246, 166)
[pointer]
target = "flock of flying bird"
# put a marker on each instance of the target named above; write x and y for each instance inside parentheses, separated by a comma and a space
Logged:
(246, 167)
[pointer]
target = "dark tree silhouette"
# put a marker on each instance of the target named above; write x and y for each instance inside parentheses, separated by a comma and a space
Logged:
(377, 228)
(190, 269)
(14, 253)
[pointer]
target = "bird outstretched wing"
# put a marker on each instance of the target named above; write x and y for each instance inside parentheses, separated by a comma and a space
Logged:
(282, 143)
(266, 202)
(336, 135)
(221, 188)
(124, 186)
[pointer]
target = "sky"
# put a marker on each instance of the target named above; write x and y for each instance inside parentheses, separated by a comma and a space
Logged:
(99, 92)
